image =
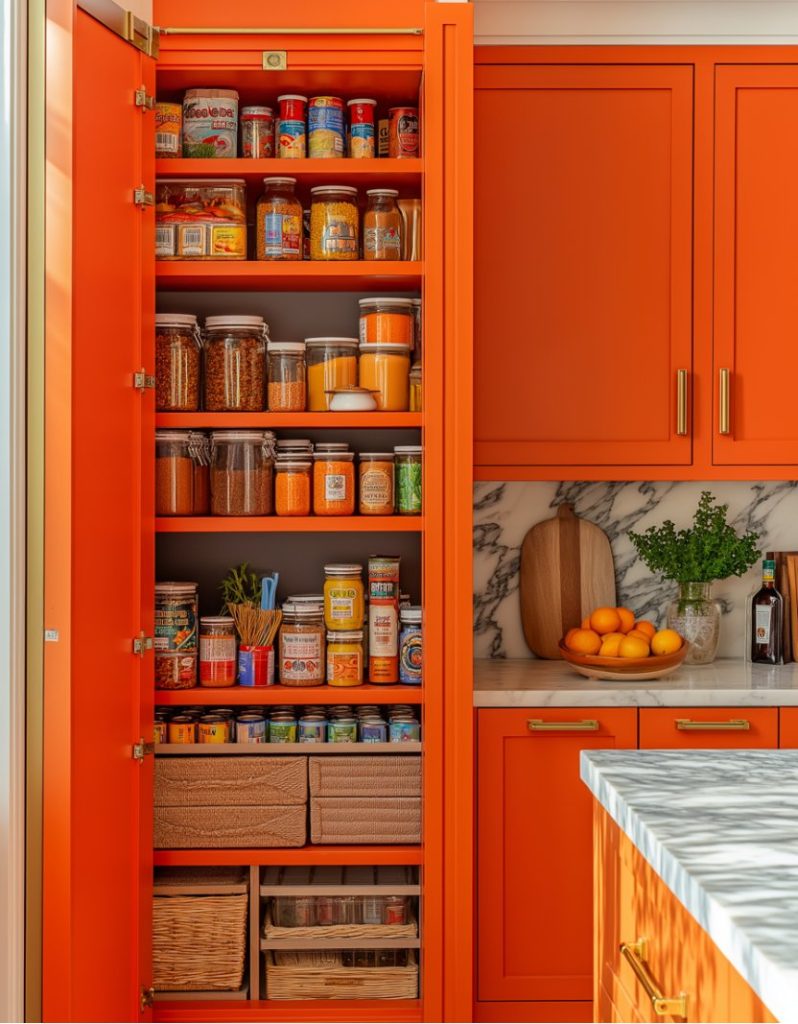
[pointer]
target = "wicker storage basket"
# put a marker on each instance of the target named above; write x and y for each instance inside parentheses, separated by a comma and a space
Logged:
(353, 777)
(199, 939)
(209, 828)
(376, 820)
(318, 974)
(335, 932)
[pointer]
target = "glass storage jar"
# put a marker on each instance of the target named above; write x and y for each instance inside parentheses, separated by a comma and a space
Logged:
(287, 376)
(292, 487)
(174, 473)
(344, 596)
(345, 657)
(302, 644)
(235, 363)
(242, 470)
(200, 449)
(385, 370)
(333, 483)
(376, 483)
(331, 364)
(278, 230)
(177, 362)
(408, 479)
(334, 223)
(217, 651)
(418, 331)
(385, 321)
(175, 642)
(415, 387)
(382, 226)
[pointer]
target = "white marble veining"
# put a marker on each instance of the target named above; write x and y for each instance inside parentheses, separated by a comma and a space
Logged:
(503, 512)
(721, 830)
(534, 683)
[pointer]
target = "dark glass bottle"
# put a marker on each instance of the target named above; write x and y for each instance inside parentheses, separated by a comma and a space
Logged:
(767, 611)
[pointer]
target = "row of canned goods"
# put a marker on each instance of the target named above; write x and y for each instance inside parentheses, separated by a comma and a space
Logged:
(248, 473)
(315, 724)
(208, 125)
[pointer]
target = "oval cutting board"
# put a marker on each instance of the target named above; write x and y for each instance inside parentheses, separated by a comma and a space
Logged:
(566, 571)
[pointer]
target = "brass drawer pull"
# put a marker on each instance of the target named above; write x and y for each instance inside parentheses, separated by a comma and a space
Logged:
(681, 402)
(586, 725)
(664, 1006)
(724, 424)
(732, 725)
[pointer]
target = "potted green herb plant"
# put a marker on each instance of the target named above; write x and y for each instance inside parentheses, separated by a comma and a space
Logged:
(694, 558)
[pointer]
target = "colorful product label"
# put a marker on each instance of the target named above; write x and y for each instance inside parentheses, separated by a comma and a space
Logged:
(325, 127)
(335, 487)
(176, 625)
(291, 136)
(282, 234)
(410, 656)
(361, 141)
(300, 655)
(383, 241)
(210, 127)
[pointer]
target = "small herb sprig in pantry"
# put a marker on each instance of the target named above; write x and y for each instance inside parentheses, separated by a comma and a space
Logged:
(241, 586)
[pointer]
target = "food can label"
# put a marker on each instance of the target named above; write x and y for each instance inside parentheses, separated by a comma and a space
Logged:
(213, 732)
(335, 487)
(182, 732)
(159, 732)
(404, 134)
(361, 141)
(217, 648)
(175, 625)
(210, 127)
(341, 604)
(300, 655)
(282, 732)
(312, 731)
(282, 233)
(344, 668)
(383, 240)
(165, 240)
(251, 732)
(339, 236)
(375, 488)
(373, 732)
(325, 127)
(192, 240)
(383, 137)
(342, 732)
(256, 666)
(383, 630)
(228, 240)
(291, 135)
(405, 732)
(408, 486)
(410, 656)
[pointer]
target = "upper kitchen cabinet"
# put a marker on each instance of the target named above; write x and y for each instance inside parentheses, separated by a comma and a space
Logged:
(583, 217)
(756, 265)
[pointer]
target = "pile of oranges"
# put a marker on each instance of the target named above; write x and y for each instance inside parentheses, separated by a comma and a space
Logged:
(615, 633)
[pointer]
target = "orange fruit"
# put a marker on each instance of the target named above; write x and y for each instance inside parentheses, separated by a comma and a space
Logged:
(633, 647)
(586, 622)
(627, 618)
(640, 634)
(568, 636)
(605, 620)
(610, 644)
(666, 641)
(584, 641)
(646, 627)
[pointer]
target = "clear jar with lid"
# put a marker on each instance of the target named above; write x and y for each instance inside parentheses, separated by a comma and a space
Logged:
(242, 471)
(343, 596)
(174, 473)
(415, 387)
(292, 487)
(293, 447)
(175, 640)
(387, 321)
(331, 364)
(302, 646)
(408, 479)
(334, 223)
(385, 370)
(235, 363)
(376, 483)
(217, 651)
(177, 362)
(382, 225)
(278, 233)
(200, 449)
(333, 483)
(287, 376)
(345, 657)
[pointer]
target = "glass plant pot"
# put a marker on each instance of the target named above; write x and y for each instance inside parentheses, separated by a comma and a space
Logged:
(697, 618)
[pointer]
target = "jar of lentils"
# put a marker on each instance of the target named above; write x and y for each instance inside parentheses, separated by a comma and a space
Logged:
(242, 472)
(177, 362)
(287, 376)
(334, 223)
(235, 363)
(174, 473)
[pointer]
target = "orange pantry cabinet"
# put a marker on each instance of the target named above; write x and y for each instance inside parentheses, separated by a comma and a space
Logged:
(583, 330)
(534, 868)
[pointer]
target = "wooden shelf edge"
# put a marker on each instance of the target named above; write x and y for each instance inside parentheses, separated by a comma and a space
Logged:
(368, 693)
(289, 524)
(312, 1011)
(355, 854)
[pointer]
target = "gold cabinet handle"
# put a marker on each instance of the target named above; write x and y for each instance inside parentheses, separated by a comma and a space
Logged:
(724, 418)
(664, 1006)
(681, 402)
(732, 725)
(585, 725)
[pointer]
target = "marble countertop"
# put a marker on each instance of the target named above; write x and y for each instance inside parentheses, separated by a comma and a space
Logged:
(721, 830)
(531, 682)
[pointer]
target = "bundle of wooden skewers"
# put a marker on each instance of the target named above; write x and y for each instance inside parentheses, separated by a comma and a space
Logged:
(250, 598)
(256, 627)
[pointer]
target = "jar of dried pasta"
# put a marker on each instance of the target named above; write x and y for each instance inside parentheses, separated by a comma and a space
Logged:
(287, 376)
(278, 232)
(333, 483)
(331, 364)
(177, 362)
(235, 363)
(382, 226)
(174, 473)
(292, 487)
(334, 223)
(302, 644)
(385, 370)
(376, 484)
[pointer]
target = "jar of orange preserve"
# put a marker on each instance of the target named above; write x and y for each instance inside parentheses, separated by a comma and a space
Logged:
(334, 483)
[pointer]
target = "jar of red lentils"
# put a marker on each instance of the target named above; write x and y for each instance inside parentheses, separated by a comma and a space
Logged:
(334, 482)
(292, 487)
(287, 376)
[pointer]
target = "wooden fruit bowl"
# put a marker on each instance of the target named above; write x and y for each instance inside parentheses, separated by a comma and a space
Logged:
(624, 670)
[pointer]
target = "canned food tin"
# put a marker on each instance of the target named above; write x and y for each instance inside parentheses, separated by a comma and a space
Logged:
(257, 132)
(182, 729)
(383, 592)
(175, 635)
(210, 123)
(373, 730)
(282, 730)
(160, 731)
(403, 133)
(342, 730)
(291, 134)
(213, 729)
(361, 128)
(251, 729)
(405, 730)
(168, 129)
(312, 729)
(326, 127)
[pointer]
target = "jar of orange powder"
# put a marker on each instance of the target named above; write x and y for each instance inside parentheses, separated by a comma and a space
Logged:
(292, 487)
(334, 482)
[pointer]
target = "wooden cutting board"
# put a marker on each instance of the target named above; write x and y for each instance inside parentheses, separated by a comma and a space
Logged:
(566, 571)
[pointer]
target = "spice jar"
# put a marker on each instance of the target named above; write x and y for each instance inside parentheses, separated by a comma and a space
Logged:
(242, 470)
(175, 641)
(217, 651)
(376, 484)
(287, 376)
(361, 128)
(345, 658)
(257, 132)
(235, 363)
(385, 321)
(333, 483)
(292, 487)
(302, 644)
(174, 473)
(382, 226)
(200, 449)
(331, 364)
(177, 362)
(415, 387)
(408, 479)
(385, 370)
(278, 233)
(343, 596)
(334, 223)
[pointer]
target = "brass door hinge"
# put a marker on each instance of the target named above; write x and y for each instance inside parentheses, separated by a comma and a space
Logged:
(143, 381)
(140, 751)
(147, 998)
(142, 644)
(140, 34)
(143, 197)
(275, 60)
(142, 99)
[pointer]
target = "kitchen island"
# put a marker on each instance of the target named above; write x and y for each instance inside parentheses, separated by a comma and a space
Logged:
(717, 830)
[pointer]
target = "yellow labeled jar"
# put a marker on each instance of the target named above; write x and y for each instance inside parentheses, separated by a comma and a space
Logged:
(385, 370)
(345, 657)
(343, 597)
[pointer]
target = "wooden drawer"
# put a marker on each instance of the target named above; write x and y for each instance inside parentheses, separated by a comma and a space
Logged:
(703, 728)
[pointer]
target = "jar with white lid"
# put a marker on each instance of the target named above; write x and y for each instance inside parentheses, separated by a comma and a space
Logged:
(331, 365)
(177, 362)
(334, 223)
(242, 472)
(293, 447)
(235, 363)
(287, 376)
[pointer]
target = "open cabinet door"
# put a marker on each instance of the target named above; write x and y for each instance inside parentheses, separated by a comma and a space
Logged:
(112, 532)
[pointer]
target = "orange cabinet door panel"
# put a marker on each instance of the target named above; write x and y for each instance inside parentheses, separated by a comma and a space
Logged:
(788, 727)
(534, 849)
(583, 263)
(756, 265)
(703, 728)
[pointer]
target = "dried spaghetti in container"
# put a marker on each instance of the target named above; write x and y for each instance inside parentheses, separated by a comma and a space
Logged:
(376, 484)
(331, 365)
(387, 321)
(334, 483)
(345, 658)
(334, 223)
(292, 487)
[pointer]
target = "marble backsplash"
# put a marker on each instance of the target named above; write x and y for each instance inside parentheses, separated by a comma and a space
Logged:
(504, 511)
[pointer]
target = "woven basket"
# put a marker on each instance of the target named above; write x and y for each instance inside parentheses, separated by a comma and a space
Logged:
(340, 931)
(318, 974)
(204, 828)
(352, 777)
(230, 781)
(360, 820)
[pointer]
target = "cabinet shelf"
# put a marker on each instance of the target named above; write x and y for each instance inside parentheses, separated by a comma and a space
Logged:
(355, 854)
(289, 524)
(285, 420)
(407, 943)
(282, 1011)
(295, 275)
(284, 749)
(362, 173)
(368, 693)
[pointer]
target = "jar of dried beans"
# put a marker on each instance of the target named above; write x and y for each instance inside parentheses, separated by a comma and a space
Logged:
(279, 221)
(302, 644)
(333, 483)
(174, 473)
(376, 484)
(235, 363)
(332, 364)
(292, 487)
(382, 226)
(200, 449)
(242, 471)
(334, 223)
(177, 362)
(287, 376)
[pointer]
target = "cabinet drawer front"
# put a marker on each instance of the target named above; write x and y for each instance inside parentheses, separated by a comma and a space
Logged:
(788, 727)
(703, 728)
